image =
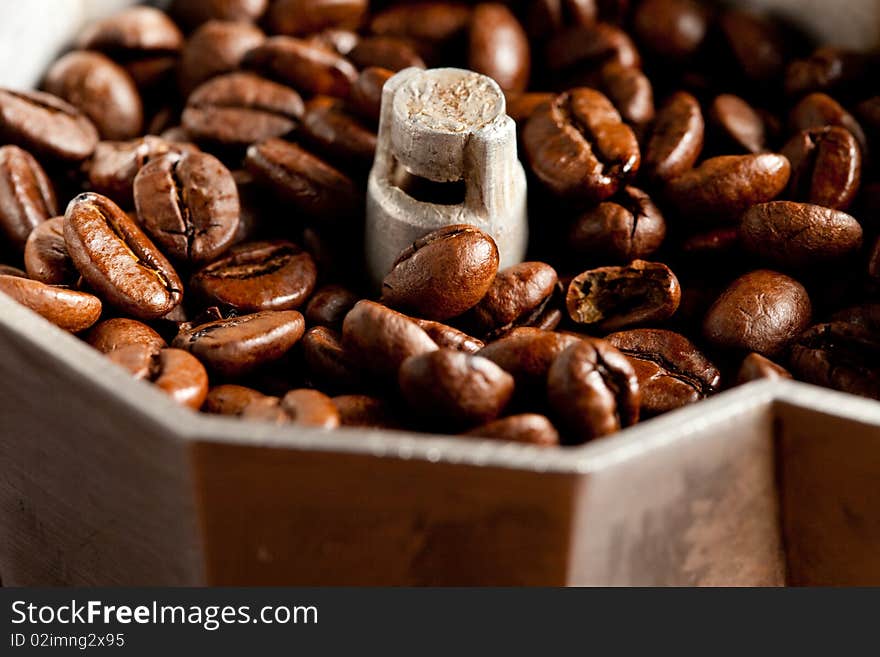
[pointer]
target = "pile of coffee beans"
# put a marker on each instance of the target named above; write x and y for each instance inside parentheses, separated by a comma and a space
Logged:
(704, 201)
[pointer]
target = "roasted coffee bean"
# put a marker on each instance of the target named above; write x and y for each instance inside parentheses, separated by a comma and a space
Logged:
(297, 176)
(216, 47)
(448, 337)
(738, 124)
(46, 125)
(454, 388)
(799, 235)
(265, 409)
(819, 110)
(839, 355)
(866, 315)
(366, 411)
(713, 244)
(671, 371)
(826, 167)
(258, 276)
(365, 96)
(546, 17)
(499, 47)
(676, 139)
(762, 311)
(337, 135)
(629, 90)
(612, 298)
(385, 52)
(426, 24)
(68, 309)
(310, 408)
(101, 90)
(517, 297)
(378, 339)
(188, 203)
(329, 306)
(828, 69)
(527, 354)
(326, 360)
(724, 187)
(339, 41)
(589, 47)
(520, 106)
(528, 428)
(195, 12)
(239, 109)
(593, 391)
(671, 28)
(118, 260)
(874, 260)
(8, 270)
(579, 147)
(45, 255)
(229, 399)
(627, 227)
(27, 197)
(304, 66)
(756, 367)
(304, 17)
(442, 274)
(758, 47)
(118, 332)
(173, 371)
(240, 344)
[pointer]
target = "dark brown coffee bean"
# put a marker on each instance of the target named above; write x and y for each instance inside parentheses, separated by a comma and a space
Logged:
(866, 315)
(593, 391)
(119, 332)
(68, 309)
(304, 17)
(378, 339)
(258, 276)
(310, 408)
(819, 110)
(756, 367)
(724, 187)
(874, 260)
(520, 106)
(173, 371)
(8, 270)
(589, 47)
(297, 176)
(118, 260)
(517, 297)
(304, 66)
(828, 69)
(579, 147)
(339, 41)
(385, 52)
(762, 311)
(329, 306)
(799, 235)
(188, 203)
(839, 355)
(46, 125)
(712, 244)
(826, 167)
(449, 337)
(499, 47)
(676, 139)
(527, 354)
(27, 197)
(191, 13)
(454, 388)
(337, 135)
(240, 109)
(426, 23)
(629, 90)
(214, 48)
(365, 97)
(326, 360)
(528, 428)
(442, 274)
(671, 28)
(738, 124)
(366, 411)
(237, 345)
(757, 45)
(625, 228)
(229, 399)
(671, 371)
(45, 255)
(612, 298)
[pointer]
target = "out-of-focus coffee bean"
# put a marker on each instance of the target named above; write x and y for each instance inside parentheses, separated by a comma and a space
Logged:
(365, 96)
(589, 47)
(337, 135)
(839, 355)
(827, 69)
(27, 197)
(329, 306)
(738, 124)
(528, 428)
(756, 367)
(757, 45)
(326, 361)
(546, 17)
(819, 110)
(68, 309)
(499, 47)
(229, 399)
(366, 411)
(310, 408)
(304, 17)
(46, 125)
(520, 106)
(214, 48)
(191, 13)
(303, 65)
(671, 28)
(386, 52)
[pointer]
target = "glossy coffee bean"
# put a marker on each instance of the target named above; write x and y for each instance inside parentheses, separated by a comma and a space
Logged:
(365, 96)
(454, 388)
(45, 255)
(499, 47)
(724, 187)
(671, 28)
(589, 47)
(46, 125)
(229, 399)
(118, 332)
(528, 428)
(762, 311)
(448, 337)
(366, 411)
(329, 306)
(27, 197)
(302, 65)
(826, 167)
(579, 147)
(738, 124)
(671, 371)
(828, 68)
(430, 26)
(527, 354)
(68, 309)
(630, 91)
(612, 298)
(326, 361)
(310, 408)
(240, 344)
(216, 47)
(307, 182)
(442, 274)
(839, 355)
(304, 17)
(758, 47)
(191, 13)
(819, 110)
(176, 373)
(117, 258)
(257, 276)
(337, 135)
(338, 40)
(517, 297)
(378, 339)
(188, 203)
(520, 106)
(799, 235)
(756, 367)
(593, 391)
(676, 138)
(386, 52)
(629, 226)
(265, 409)
(547, 17)
(239, 109)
